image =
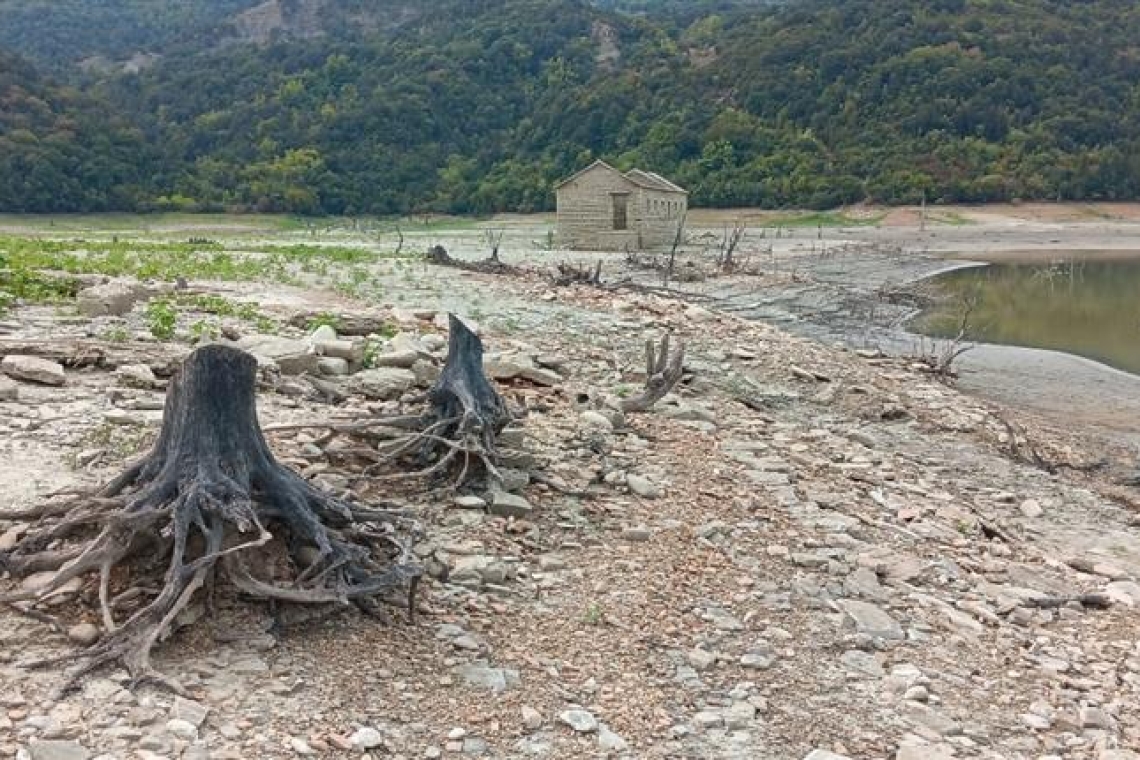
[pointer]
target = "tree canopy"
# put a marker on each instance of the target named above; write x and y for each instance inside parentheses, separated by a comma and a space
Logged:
(380, 106)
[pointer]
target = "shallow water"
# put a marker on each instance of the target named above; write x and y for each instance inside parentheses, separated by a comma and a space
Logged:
(1088, 308)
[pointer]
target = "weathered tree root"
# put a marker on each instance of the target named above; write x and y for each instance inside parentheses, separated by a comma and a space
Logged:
(662, 373)
(199, 507)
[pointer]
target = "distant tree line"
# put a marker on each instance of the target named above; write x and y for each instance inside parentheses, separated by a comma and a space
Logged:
(814, 103)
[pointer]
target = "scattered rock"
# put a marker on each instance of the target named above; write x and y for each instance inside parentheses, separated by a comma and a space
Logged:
(57, 750)
(111, 299)
(643, 487)
(581, 721)
(532, 719)
(292, 357)
(136, 376)
(9, 390)
(509, 505)
(701, 659)
(190, 711)
(483, 676)
(33, 369)
(183, 729)
(366, 738)
(1031, 508)
(823, 754)
(385, 383)
(872, 620)
(608, 741)
(84, 634)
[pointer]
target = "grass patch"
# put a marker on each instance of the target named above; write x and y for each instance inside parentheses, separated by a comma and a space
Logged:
(821, 219)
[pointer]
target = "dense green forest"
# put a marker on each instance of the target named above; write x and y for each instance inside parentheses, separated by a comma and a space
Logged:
(383, 106)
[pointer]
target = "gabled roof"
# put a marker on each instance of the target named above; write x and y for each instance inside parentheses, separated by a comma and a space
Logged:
(652, 181)
(645, 179)
(599, 163)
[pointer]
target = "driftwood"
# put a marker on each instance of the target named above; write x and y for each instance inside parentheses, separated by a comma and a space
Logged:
(209, 502)
(439, 256)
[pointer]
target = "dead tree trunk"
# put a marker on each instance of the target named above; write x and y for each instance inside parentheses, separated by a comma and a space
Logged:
(204, 504)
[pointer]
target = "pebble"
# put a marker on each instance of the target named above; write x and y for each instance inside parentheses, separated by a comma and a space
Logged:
(701, 659)
(531, 718)
(366, 738)
(84, 634)
(1031, 508)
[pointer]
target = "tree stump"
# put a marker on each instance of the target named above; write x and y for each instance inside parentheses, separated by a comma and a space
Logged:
(467, 413)
(197, 508)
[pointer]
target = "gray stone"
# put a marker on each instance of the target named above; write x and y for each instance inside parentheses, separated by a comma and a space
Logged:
(509, 505)
(183, 729)
(581, 721)
(190, 711)
(864, 582)
(872, 620)
(332, 366)
(643, 486)
(823, 754)
(403, 359)
(111, 299)
(300, 746)
(512, 480)
(701, 659)
(384, 384)
(608, 741)
(480, 675)
(757, 660)
(532, 718)
(366, 738)
(136, 376)
(1096, 718)
(292, 357)
(426, 373)
(9, 390)
(1031, 508)
(469, 502)
(33, 369)
(1124, 592)
(512, 366)
(84, 634)
(636, 534)
(739, 715)
(352, 351)
(57, 750)
(925, 752)
(927, 717)
(322, 334)
(863, 663)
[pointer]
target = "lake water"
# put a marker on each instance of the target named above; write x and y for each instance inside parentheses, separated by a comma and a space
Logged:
(1088, 308)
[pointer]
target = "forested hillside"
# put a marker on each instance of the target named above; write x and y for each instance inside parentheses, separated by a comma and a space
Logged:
(61, 150)
(388, 106)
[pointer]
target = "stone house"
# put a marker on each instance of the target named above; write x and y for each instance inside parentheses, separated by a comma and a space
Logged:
(602, 209)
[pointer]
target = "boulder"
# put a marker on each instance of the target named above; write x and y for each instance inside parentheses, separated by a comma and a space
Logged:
(111, 299)
(136, 376)
(292, 357)
(33, 369)
(520, 366)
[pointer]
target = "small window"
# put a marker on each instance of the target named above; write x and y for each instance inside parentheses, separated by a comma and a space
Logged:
(621, 211)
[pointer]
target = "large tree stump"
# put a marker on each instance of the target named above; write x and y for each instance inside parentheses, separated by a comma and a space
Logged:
(199, 507)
